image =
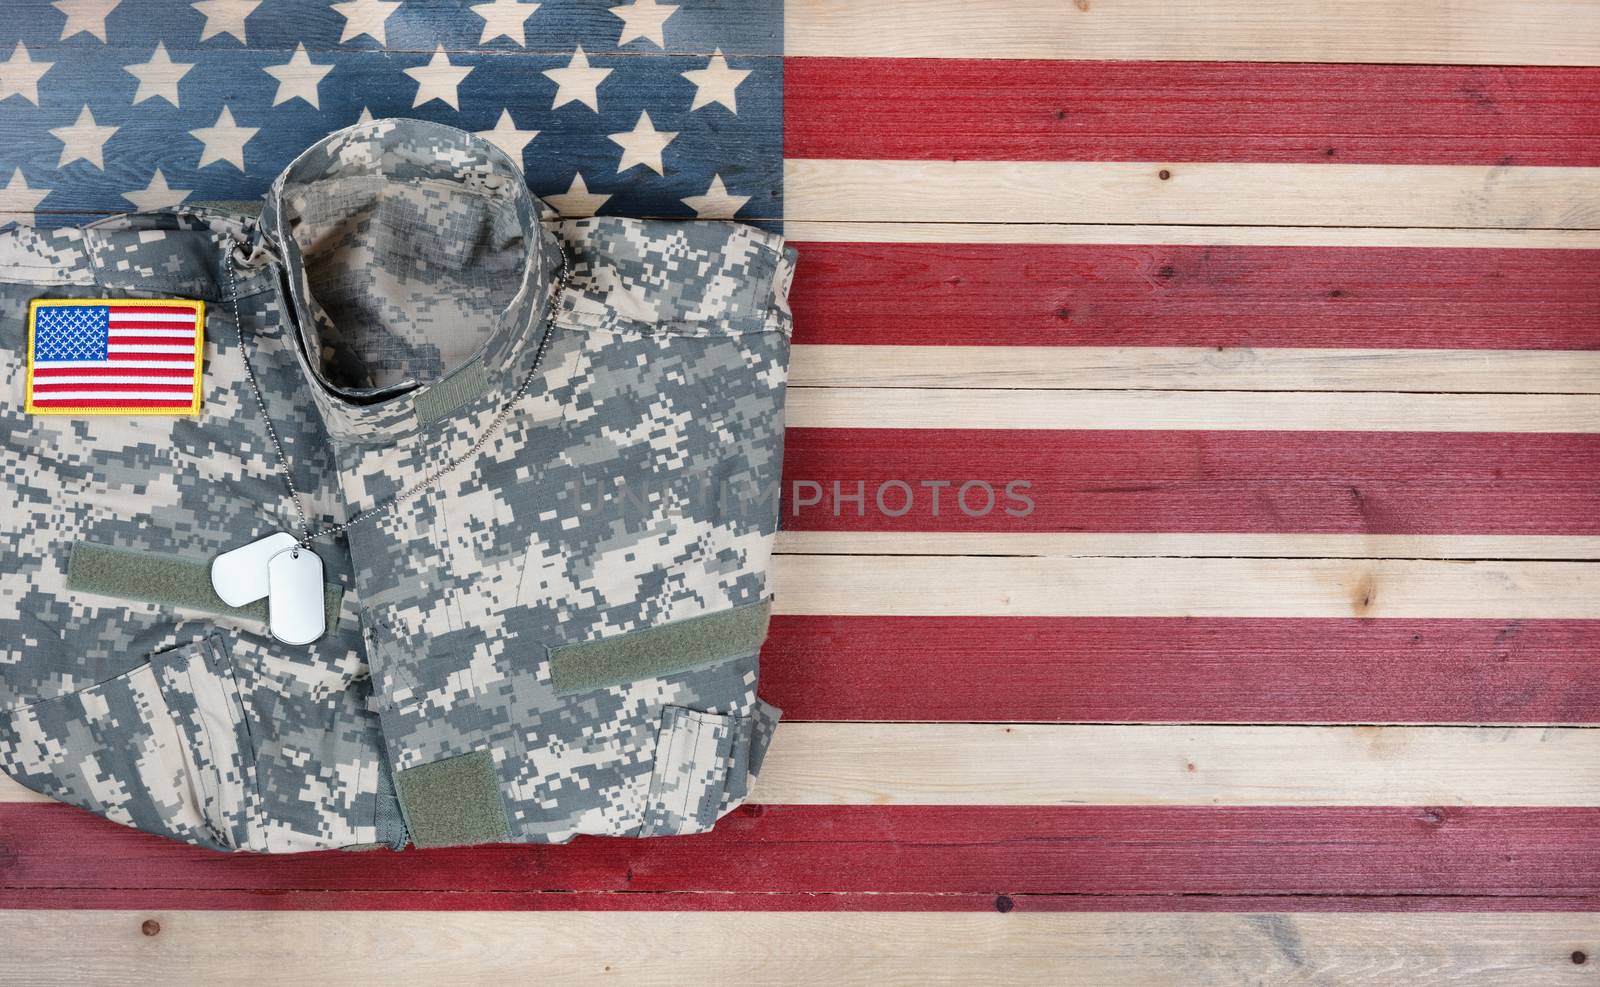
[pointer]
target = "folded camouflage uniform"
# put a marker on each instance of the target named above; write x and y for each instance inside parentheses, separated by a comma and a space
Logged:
(557, 637)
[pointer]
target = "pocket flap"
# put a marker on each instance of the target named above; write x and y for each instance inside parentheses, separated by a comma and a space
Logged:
(679, 646)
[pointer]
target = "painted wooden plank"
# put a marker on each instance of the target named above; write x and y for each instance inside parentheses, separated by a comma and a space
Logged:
(1189, 544)
(1128, 296)
(295, 948)
(902, 585)
(1235, 194)
(418, 26)
(1168, 764)
(1533, 32)
(150, 135)
(848, 853)
(1052, 110)
(804, 232)
(1175, 669)
(1182, 367)
(998, 408)
(1105, 764)
(1162, 482)
(725, 901)
(801, 231)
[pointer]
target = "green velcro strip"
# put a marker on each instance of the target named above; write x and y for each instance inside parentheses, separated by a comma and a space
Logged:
(454, 802)
(676, 647)
(446, 395)
(151, 577)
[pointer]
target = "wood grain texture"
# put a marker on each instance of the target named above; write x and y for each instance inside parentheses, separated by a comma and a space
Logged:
(1160, 857)
(295, 948)
(1198, 368)
(932, 586)
(1113, 295)
(1109, 480)
(1532, 32)
(1049, 110)
(1176, 669)
(1167, 764)
(1234, 194)
(1003, 408)
(1159, 764)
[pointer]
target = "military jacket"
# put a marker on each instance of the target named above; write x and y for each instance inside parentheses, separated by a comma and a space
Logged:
(558, 636)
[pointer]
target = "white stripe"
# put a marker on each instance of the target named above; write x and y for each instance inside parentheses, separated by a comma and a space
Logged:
(150, 348)
(142, 364)
(178, 315)
(178, 397)
(143, 331)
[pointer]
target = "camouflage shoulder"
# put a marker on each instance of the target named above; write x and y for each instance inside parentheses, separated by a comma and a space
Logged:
(696, 277)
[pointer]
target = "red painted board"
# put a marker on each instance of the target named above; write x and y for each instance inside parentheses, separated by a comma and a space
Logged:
(952, 109)
(1011, 294)
(1501, 853)
(1182, 669)
(1105, 480)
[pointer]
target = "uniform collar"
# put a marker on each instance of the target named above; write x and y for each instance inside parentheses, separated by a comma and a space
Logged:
(425, 156)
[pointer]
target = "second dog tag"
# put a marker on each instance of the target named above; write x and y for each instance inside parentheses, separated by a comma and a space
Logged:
(295, 612)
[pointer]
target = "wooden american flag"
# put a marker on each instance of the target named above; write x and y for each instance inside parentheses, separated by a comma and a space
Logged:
(1286, 313)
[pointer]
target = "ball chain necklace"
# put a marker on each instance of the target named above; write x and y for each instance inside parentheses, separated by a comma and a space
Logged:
(282, 568)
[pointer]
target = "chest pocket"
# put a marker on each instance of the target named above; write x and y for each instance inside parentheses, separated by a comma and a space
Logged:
(703, 761)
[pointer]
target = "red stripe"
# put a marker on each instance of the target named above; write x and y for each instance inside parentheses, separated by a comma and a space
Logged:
(117, 339)
(720, 901)
(1102, 480)
(180, 372)
(1182, 669)
(1116, 295)
(111, 403)
(148, 356)
(176, 311)
(951, 109)
(141, 386)
(1124, 853)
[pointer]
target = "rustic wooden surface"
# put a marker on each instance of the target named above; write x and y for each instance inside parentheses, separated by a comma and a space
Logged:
(1290, 311)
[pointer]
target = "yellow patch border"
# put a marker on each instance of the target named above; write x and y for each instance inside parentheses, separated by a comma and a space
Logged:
(195, 305)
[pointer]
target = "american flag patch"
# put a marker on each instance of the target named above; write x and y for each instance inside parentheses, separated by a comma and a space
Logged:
(114, 356)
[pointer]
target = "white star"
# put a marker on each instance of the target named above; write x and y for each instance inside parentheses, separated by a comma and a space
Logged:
(85, 15)
(157, 195)
(16, 197)
(224, 140)
(84, 139)
(578, 83)
(508, 138)
(298, 78)
(716, 203)
(158, 78)
(505, 17)
(716, 82)
(20, 74)
(643, 19)
(643, 144)
(365, 17)
(225, 16)
(365, 117)
(577, 200)
(439, 79)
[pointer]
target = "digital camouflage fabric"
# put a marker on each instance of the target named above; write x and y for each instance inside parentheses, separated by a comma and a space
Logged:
(560, 637)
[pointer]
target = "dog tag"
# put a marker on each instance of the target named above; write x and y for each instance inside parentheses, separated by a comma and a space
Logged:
(239, 577)
(294, 596)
